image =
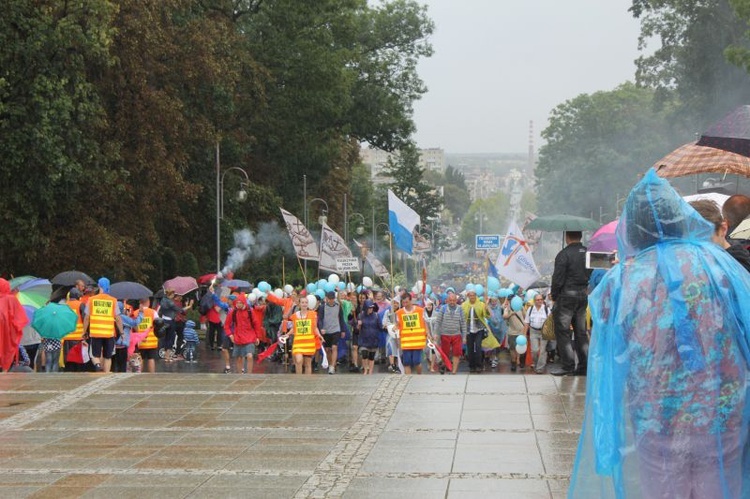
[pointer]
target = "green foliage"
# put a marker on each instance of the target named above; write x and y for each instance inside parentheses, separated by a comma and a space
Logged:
(110, 113)
(169, 263)
(409, 185)
(494, 218)
(597, 146)
(188, 264)
(694, 38)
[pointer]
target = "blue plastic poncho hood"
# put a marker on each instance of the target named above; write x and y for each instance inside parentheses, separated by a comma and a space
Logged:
(668, 359)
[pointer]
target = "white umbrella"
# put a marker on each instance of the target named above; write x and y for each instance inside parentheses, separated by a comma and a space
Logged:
(716, 197)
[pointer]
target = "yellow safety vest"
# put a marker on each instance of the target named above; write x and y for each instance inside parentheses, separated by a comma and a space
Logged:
(75, 306)
(102, 314)
(412, 329)
(147, 324)
(304, 333)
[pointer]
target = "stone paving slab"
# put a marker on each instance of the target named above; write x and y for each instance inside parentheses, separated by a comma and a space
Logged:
(275, 435)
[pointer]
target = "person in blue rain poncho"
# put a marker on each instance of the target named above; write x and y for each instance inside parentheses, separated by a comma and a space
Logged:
(666, 411)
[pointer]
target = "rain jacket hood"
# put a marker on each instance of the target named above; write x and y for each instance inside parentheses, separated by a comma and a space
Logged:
(4, 287)
(668, 359)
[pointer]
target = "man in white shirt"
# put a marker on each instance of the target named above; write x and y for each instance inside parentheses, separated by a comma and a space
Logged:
(534, 321)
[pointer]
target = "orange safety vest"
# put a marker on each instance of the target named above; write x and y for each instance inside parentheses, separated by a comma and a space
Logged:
(102, 314)
(147, 324)
(413, 332)
(75, 306)
(304, 333)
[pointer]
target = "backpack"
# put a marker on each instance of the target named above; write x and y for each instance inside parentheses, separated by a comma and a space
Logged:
(548, 328)
(206, 303)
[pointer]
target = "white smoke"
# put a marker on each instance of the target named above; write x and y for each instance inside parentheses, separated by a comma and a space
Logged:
(249, 244)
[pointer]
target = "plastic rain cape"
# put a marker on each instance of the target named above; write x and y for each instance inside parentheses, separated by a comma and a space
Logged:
(666, 408)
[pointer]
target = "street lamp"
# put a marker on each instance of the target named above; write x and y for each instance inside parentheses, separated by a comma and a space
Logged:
(360, 228)
(241, 196)
(386, 237)
(481, 218)
(618, 205)
(323, 218)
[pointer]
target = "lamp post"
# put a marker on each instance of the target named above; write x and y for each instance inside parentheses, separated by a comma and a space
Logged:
(241, 196)
(323, 218)
(386, 236)
(618, 205)
(360, 228)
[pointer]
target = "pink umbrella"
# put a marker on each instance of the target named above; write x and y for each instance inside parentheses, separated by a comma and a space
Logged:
(604, 239)
(181, 285)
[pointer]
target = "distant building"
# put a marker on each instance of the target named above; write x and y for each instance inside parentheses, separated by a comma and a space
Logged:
(432, 159)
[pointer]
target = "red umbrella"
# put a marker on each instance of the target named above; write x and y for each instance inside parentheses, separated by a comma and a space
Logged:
(206, 278)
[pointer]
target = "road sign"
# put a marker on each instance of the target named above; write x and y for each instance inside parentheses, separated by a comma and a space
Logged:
(487, 241)
(348, 264)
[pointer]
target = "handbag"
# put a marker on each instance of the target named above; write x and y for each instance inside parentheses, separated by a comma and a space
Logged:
(548, 328)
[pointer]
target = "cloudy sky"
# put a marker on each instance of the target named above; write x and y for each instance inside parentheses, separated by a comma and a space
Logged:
(499, 64)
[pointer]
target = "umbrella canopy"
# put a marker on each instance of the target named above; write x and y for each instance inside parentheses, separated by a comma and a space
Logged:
(604, 239)
(235, 283)
(691, 159)
(181, 285)
(716, 197)
(32, 291)
(69, 278)
(742, 231)
(54, 321)
(552, 223)
(731, 133)
(206, 278)
(127, 290)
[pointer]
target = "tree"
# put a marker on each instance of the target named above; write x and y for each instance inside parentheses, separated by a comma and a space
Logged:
(408, 183)
(493, 212)
(597, 145)
(691, 60)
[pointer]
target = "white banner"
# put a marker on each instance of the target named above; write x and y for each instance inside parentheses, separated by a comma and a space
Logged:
(344, 265)
(302, 241)
(378, 268)
(516, 262)
(332, 247)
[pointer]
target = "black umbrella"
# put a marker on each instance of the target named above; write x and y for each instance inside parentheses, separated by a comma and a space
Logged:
(70, 277)
(731, 133)
(127, 290)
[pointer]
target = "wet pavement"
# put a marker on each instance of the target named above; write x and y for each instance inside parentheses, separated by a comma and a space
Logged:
(182, 434)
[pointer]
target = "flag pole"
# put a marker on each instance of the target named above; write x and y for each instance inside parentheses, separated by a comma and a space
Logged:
(283, 271)
(390, 247)
(304, 274)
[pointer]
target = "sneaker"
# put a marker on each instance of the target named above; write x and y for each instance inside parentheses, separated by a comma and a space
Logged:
(493, 363)
(331, 370)
(98, 367)
(243, 372)
(227, 370)
(392, 368)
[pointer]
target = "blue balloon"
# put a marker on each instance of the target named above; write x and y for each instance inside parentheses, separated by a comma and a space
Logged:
(503, 293)
(311, 287)
(479, 289)
(320, 293)
(469, 287)
(341, 286)
(321, 283)
(516, 303)
(264, 286)
(493, 283)
(428, 289)
(359, 288)
(521, 339)
(329, 286)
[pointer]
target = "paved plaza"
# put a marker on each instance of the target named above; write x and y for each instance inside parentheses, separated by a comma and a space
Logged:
(278, 435)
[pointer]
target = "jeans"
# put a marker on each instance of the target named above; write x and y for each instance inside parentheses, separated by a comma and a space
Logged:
(52, 365)
(474, 350)
(570, 309)
(190, 350)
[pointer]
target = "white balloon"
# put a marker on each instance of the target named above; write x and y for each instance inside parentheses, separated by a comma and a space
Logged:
(367, 281)
(397, 290)
(312, 301)
(351, 287)
(288, 289)
(251, 298)
(279, 293)
(333, 279)
(521, 349)
(419, 285)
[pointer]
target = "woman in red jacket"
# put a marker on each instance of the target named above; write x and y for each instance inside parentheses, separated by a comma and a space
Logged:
(241, 329)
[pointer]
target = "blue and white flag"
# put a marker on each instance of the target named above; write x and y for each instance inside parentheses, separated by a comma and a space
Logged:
(515, 262)
(402, 221)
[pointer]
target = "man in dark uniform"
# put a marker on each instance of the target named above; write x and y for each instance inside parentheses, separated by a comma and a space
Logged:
(569, 292)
